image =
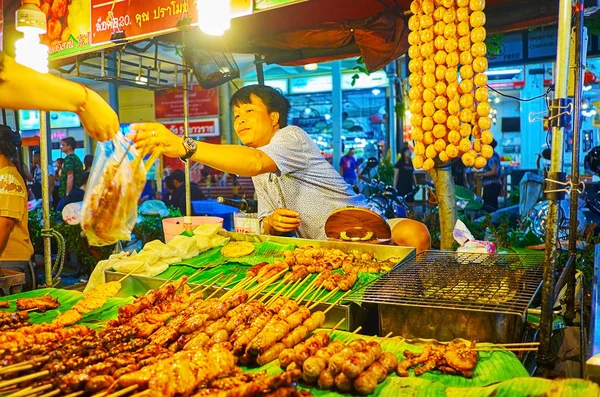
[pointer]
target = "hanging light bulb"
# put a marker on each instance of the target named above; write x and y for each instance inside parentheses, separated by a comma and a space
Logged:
(214, 16)
(31, 21)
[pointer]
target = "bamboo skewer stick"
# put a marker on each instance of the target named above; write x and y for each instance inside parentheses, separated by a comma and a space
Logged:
(18, 380)
(55, 392)
(385, 337)
(140, 394)
(76, 394)
(337, 302)
(208, 284)
(272, 291)
(32, 361)
(508, 349)
(297, 285)
(241, 285)
(324, 299)
(131, 272)
(307, 290)
(314, 296)
(123, 391)
(279, 293)
(221, 287)
(30, 391)
(261, 287)
(9, 389)
(167, 281)
(288, 292)
(197, 272)
(516, 344)
(337, 325)
(22, 367)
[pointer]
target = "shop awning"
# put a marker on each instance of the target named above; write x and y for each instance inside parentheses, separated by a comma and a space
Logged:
(324, 30)
(30, 138)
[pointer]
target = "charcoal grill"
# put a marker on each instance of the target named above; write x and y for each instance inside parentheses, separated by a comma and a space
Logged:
(445, 295)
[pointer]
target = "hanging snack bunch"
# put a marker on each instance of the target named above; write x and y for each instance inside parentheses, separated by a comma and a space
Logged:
(114, 187)
(448, 94)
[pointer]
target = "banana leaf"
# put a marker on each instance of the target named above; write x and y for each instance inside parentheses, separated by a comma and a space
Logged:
(265, 251)
(498, 374)
(68, 298)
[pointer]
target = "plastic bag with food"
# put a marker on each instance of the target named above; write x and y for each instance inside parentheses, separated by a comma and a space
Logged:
(114, 187)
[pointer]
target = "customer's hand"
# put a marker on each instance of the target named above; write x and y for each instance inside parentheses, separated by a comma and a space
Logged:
(284, 220)
(149, 136)
(98, 118)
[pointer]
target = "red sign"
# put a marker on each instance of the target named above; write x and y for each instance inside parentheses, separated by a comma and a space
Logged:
(144, 18)
(201, 103)
(197, 128)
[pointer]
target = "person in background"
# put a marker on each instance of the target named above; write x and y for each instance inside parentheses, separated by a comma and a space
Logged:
(55, 181)
(349, 167)
(459, 173)
(24, 88)
(178, 196)
(297, 189)
(490, 178)
(404, 174)
(36, 175)
(72, 170)
(168, 189)
(15, 245)
(76, 194)
(88, 160)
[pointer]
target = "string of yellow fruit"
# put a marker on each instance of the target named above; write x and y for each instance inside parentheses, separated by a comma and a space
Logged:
(450, 116)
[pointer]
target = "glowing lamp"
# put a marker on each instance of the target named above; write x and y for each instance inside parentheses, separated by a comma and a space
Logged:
(31, 21)
(214, 16)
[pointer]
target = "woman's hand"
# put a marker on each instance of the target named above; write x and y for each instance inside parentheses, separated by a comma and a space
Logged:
(149, 136)
(283, 220)
(98, 118)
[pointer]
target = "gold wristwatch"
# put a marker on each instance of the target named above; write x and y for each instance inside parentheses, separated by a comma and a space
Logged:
(190, 148)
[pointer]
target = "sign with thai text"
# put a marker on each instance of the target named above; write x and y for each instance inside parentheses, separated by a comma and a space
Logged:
(201, 103)
(135, 19)
(197, 128)
(68, 27)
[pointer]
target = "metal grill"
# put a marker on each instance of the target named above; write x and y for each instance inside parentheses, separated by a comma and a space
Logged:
(500, 283)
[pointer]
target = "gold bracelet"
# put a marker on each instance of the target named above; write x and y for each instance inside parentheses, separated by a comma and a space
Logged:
(87, 96)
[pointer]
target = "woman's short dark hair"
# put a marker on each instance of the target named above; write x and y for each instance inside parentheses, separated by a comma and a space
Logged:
(271, 97)
(10, 141)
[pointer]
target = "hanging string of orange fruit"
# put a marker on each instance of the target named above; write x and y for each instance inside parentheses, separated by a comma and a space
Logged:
(448, 94)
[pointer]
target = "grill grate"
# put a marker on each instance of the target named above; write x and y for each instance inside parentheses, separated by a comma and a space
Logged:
(500, 283)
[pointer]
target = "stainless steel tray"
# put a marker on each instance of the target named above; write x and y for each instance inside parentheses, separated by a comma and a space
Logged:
(355, 315)
(379, 251)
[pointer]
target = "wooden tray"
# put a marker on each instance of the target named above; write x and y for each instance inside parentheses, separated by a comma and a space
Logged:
(353, 224)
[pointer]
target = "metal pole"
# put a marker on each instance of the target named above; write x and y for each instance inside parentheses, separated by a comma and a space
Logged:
(577, 82)
(336, 114)
(186, 133)
(45, 197)
(260, 71)
(545, 360)
(393, 131)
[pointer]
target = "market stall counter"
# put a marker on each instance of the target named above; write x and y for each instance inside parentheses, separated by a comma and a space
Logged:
(369, 261)
(170, 342)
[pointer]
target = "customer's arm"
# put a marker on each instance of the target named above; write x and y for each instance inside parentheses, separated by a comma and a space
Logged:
(234, 159)
(24, 88)
(6, 227)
